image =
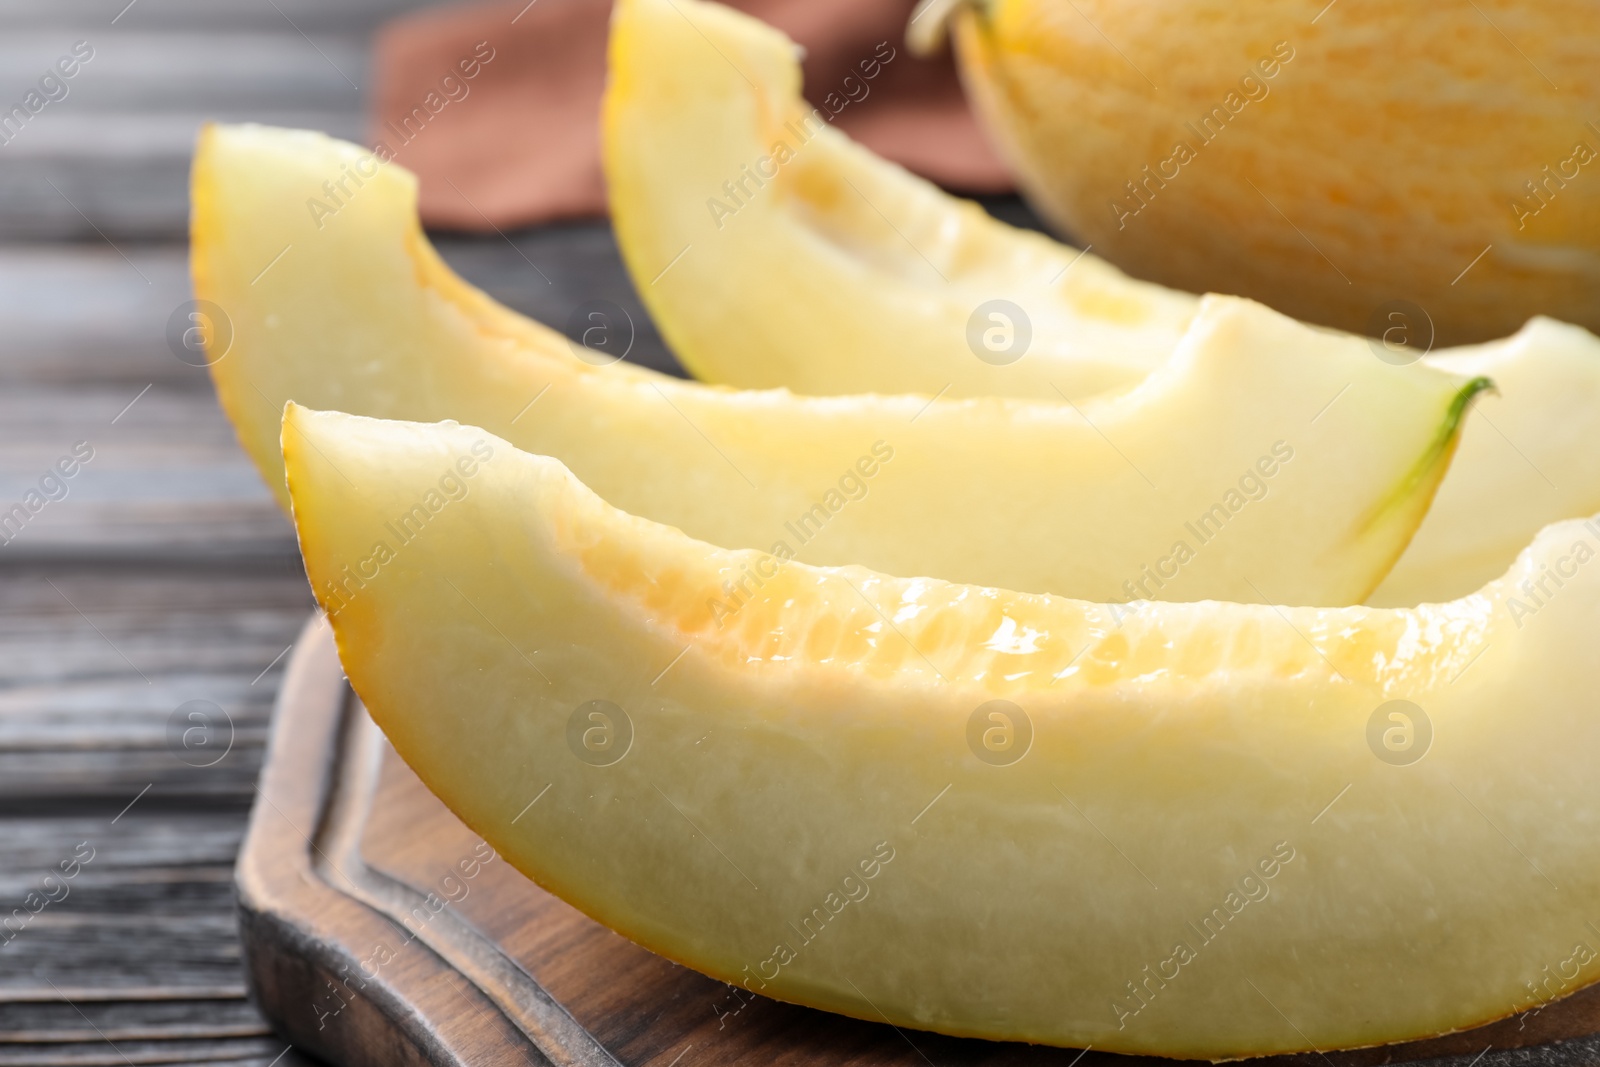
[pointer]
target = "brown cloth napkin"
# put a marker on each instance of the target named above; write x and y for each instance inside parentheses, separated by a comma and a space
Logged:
(496, 105)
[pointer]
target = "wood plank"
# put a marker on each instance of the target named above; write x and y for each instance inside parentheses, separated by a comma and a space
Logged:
(112, 736)
(76, 315)
(181, 887)
(120, 851)
(190, 953)
(132, 899)
(312, 16)
(166, 477)
(152, 911)
(136, 70)
(234, 1052)
(110, 160)
(141, 1020)
(95, 666)
(124, 712)
(72, 625)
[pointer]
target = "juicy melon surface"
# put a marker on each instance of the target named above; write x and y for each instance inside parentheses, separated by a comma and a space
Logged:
(355, 310)
(843, 273)
(1526, 460)
(792, 798)
(774, 251)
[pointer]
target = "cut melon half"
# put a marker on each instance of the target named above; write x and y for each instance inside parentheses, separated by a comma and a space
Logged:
(842, 273)
(1263, 461)
(773, 251)
(1198, 830)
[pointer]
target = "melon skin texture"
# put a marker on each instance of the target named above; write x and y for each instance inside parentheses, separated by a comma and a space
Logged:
(1317, 497)
(1367, 154)
(774, 251)
(1193, 768)
(844, 273)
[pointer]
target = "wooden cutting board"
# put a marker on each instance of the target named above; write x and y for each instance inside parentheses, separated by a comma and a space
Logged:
(379, 931)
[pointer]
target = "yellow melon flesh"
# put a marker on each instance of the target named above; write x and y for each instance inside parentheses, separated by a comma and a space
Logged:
(1527, 459)
(821, 267)
(1198, 851)
(818, 280)
(1263, 461)
(1326, 163)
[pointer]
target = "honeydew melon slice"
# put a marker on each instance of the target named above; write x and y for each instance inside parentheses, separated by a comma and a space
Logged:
(1528, 457)
(1263, 461)
(773, 251)
(843, 273)
(1197, 830)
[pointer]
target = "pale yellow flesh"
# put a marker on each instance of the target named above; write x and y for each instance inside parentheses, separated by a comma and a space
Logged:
(1093, 500)
(1527, 458)
(824, 278)
(1176, 748)
(826, 269)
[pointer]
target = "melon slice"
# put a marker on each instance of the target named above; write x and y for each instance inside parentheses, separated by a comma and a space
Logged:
(1263, 461)
(1198, 830)
(1527, 458)
(773, 251)
(842, 273)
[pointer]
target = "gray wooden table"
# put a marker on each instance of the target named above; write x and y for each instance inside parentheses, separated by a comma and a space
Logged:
(164, 576)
